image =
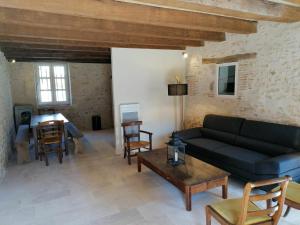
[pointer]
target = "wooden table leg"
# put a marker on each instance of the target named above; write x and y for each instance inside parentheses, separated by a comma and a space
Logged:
(225, 189)
(66, 140)
(188, 198)
(36, 150)
(139, 164)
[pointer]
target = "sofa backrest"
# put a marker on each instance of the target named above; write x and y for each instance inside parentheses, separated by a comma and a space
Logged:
(269, 138)
(222, 128)
(223, 123)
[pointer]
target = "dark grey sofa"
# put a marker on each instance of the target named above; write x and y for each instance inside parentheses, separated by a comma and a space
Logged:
(250, 150)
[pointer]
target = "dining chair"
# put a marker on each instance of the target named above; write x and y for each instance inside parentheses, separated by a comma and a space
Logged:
(244, 211)
(292, 199)
(50, 138)
(132, 139)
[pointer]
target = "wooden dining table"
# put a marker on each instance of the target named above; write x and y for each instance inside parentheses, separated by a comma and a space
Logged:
(36, 119)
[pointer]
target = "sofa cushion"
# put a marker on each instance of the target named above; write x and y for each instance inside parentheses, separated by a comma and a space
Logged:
(238, 157)
(231, 155)
(284, 135)
(263, 147)
(223, 123)
(278, 165)
(218, 135)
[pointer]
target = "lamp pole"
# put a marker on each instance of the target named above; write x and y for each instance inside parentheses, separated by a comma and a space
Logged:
(182, 113)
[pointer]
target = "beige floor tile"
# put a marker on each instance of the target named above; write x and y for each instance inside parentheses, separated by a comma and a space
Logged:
(98, 187)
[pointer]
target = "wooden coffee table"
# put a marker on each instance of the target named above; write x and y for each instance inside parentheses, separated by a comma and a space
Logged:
(192, 177)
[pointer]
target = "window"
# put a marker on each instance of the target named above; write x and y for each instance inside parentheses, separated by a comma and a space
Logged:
(227, 79)
(53, 85)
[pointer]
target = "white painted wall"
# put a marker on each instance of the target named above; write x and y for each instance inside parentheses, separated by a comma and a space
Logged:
(142, 76)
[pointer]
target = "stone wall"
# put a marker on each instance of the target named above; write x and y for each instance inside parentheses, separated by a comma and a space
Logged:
(6, 116)
(268, 86)
(90, 87)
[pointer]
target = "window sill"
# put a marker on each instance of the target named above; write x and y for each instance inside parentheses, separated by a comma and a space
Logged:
(227, 96)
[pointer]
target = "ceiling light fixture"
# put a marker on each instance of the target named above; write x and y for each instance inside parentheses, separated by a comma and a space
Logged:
(185, 55)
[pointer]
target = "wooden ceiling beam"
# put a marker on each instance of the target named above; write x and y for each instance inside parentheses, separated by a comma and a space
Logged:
(57, 55)
(52, 51)
(243, 9)
(80, 44)
(133, 13)
(4, 46)
(66, 22)
(74, 60)
(230, 58)
(59, 34)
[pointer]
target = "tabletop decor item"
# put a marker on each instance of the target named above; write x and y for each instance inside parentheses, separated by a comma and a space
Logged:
(175, 150)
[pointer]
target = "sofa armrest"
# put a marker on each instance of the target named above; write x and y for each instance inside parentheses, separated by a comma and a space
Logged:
(189, 133)
(279, 164)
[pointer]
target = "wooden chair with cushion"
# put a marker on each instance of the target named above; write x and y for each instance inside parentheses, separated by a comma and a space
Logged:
(50, 138)
(244, 211)
(292, 198)
(132, 139)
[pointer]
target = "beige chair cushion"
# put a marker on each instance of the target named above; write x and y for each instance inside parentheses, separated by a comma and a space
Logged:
(292, 192)
(139, 144)
(230, 210)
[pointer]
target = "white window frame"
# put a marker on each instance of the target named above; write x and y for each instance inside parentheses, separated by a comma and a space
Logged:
(68, 102)
(236, 64)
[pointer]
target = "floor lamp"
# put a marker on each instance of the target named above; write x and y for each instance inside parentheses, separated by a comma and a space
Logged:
(179, 90)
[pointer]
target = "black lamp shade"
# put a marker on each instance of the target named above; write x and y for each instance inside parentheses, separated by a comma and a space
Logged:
(177, 89)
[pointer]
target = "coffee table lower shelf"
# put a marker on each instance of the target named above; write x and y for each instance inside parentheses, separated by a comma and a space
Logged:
(188, 190)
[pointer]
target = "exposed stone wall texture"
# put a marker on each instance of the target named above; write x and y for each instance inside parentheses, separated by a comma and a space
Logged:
(90, 87)
(6, 116)
(268, 86)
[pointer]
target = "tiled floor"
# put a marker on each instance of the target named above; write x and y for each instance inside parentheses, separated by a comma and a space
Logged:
(98, 187)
